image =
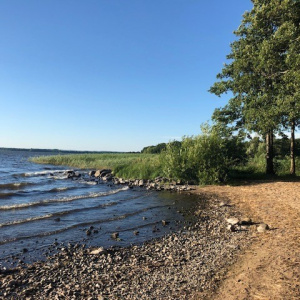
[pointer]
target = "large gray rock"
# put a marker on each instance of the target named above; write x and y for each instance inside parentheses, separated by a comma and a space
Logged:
(92, 173)
(102, 173)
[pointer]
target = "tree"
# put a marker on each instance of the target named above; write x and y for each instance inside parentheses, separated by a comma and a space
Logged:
(254, 74)
(288, 37)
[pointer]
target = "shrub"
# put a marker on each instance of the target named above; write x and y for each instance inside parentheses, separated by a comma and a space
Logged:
(202, 159)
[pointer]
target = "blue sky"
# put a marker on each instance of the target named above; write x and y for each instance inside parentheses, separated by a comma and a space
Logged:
(110, 74)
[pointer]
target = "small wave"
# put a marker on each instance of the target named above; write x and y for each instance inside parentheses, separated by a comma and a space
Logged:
(61, 189)
(61, 213)
(66, 199)
(14, 186)
(89, 182)
(47, 172)
(7, 195)
(48, 233)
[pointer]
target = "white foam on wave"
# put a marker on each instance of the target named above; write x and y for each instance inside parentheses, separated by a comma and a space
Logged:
(89, 182)
(29, 174)
(16, 222)
(55, 214)
(65, 199)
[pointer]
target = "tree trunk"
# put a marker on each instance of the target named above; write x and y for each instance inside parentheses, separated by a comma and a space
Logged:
(269, 153)
(293, 165)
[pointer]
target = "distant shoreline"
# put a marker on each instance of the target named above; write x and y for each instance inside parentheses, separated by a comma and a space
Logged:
(58, 151)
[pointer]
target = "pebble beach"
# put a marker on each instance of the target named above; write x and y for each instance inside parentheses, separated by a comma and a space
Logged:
(179, 265)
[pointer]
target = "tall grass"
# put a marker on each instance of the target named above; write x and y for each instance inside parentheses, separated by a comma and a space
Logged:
(128, 165)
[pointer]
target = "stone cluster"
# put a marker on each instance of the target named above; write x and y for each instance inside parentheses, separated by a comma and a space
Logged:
(176, 266)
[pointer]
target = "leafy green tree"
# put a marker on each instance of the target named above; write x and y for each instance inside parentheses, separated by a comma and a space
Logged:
(288, 38)
(255, 72)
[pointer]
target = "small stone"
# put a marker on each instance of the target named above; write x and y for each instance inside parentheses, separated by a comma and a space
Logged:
(88, 232)
(98, 251)
(262, 227)
(115, 235)
(136, 232)
(246, 221)
(231, 228)
(232, 221)
(164, 223)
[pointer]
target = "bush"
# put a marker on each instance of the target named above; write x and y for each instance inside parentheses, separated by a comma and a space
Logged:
(202, 159)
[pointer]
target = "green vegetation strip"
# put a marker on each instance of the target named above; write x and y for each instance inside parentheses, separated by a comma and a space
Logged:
(126, 165)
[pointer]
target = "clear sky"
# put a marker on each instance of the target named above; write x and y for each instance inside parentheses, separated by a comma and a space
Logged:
(110, 74)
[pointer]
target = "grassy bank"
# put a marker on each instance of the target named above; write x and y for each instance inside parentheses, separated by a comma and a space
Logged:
(126, 165)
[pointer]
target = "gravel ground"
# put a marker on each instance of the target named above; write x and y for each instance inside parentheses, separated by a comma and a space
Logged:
(177, 266)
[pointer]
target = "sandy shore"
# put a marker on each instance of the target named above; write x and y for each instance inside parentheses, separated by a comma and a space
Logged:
(206, 261)
(270, 267)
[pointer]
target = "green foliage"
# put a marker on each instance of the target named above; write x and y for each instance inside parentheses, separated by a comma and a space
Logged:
(154, 149)
(203, 159)
(263, 71)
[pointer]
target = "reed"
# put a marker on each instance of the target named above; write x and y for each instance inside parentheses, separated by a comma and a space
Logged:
(126, 165)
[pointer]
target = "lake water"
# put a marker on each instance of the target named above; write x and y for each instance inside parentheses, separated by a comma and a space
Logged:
(40, 207)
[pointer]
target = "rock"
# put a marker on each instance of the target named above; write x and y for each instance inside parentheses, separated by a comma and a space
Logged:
(25, 250)
(232, 221)
(98, 251)
(136, 232)
(246, 221)
(70, 174)
(164, 223)
(102, 173)
(107, 177)
(97, 173)
(122, 181)
(105, 172)
(88, 232)
(262, 227)
(141, 183)
(115, 235)
(232, 228)
(92, 173)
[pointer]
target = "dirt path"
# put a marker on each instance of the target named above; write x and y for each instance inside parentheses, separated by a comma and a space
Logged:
(270, 267)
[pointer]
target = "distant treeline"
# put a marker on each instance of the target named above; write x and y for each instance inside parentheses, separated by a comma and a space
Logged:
(281, 146)
(158, 148)
(54, 151)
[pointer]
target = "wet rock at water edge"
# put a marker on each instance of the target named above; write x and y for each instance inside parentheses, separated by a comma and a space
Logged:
(92, 173)
(115, 235)
(165, 223)
(102, 173)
